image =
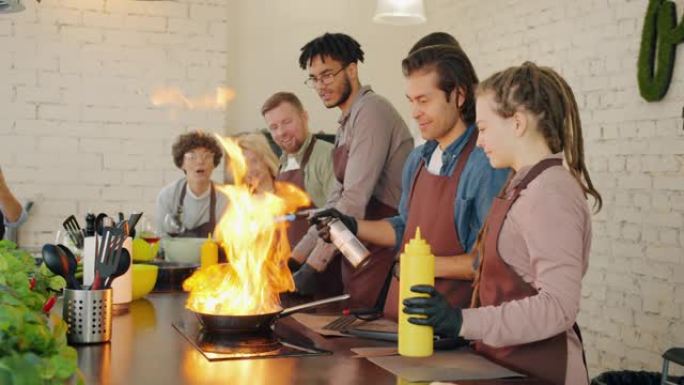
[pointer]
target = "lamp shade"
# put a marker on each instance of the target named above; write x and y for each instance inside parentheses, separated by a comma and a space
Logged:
(400, 12)
(11, 6)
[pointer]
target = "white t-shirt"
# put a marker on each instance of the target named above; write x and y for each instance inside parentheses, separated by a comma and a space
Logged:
(435, 164)
(291, 164)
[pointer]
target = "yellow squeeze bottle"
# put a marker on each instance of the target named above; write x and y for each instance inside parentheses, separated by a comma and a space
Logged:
(209, 252)
(417, 267)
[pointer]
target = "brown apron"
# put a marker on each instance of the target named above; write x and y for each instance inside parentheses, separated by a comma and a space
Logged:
(365, 283)
(298, 228)
(497, 283)
(203, 230)
(431, 206)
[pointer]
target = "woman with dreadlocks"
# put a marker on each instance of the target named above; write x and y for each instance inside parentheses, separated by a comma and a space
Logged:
(534, 247)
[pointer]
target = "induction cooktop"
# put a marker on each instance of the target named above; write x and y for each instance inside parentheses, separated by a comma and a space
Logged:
(216, 346)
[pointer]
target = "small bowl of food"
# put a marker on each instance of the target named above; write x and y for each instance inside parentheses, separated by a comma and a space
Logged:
(182, 250)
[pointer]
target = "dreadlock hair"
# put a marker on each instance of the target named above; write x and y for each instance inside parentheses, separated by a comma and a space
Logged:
(454, 72)
(435, 38)
(337, 46)
(543, 92)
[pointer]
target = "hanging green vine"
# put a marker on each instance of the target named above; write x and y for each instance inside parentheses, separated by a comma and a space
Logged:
(659, 40)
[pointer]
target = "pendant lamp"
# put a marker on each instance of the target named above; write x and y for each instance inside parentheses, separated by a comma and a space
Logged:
(400, 12)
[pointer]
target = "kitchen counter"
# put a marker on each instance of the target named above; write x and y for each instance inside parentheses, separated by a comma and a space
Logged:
(146, 349)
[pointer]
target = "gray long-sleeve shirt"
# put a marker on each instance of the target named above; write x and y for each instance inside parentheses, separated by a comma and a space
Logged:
(379, 143)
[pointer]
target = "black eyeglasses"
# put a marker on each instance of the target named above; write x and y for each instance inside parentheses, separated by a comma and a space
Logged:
(325, 79)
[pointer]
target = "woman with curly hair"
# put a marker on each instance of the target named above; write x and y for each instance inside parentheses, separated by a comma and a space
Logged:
(190, 206)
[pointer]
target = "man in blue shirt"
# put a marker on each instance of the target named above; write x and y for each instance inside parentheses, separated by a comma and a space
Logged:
(447, 183)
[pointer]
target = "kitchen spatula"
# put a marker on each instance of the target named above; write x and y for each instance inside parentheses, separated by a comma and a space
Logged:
(74, 231)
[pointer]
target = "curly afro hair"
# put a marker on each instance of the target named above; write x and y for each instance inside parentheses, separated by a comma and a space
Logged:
(192, 140)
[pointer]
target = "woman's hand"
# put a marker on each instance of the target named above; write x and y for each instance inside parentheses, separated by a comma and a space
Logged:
(445, 320)
(10, 206)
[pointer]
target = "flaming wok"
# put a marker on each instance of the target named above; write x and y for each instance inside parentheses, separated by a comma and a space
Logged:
(256, 322)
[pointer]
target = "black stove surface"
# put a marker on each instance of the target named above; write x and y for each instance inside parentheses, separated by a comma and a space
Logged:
(267, 344)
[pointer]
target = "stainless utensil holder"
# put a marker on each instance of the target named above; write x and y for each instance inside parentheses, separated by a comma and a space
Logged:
(89, 315)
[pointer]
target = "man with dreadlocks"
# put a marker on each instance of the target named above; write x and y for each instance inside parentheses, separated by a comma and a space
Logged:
(371, 146)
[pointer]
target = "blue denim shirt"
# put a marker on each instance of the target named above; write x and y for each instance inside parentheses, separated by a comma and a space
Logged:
(478, 186)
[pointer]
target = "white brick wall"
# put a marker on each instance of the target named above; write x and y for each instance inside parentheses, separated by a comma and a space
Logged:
(77, 130)
(632, 307)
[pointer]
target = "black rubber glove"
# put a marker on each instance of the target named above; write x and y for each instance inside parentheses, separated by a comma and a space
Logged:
(293, 265)
(306, 280)
(445, 320)
(322, 218)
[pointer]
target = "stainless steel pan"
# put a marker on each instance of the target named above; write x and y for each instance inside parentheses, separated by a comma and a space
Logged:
(256, 322)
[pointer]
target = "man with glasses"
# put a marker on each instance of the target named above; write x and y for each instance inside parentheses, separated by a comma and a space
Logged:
(372, 144)
(190, 206)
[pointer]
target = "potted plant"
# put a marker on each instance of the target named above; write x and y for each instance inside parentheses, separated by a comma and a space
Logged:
(33, 347)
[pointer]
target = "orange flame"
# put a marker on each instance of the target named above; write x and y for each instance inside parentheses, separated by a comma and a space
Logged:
(256, 247)
(173, 96)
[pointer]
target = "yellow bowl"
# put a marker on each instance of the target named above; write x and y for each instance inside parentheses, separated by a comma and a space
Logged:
(143, 251)
(144, 278)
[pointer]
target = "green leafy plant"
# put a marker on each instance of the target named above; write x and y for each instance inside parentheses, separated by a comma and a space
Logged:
(659, 40)
(33, 347)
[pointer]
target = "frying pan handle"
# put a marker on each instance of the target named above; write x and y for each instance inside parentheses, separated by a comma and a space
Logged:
(313, 304)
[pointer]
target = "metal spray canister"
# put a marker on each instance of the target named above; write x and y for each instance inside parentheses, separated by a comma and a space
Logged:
(345, 241)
